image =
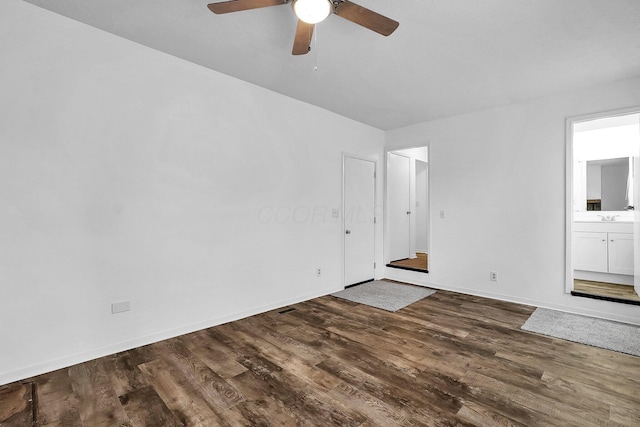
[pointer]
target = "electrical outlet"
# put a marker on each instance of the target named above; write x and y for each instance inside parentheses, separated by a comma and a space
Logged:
(493, 276)
(120, 307)
(318, 272)
(441, 214)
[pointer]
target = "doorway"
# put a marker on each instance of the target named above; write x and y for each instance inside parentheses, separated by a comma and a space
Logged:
(407, 209)
(358, 207)
(602, 198)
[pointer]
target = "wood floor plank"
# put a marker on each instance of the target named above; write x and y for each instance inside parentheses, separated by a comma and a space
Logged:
(571, 384)
(57, 402)
(625, 415)
(16, 405)
(377, 412)
(179, 396)
(260, 407)
(480, 415)
(263, 359)
(446, 360)
(280, 341)
(98, 404)
(145, 408)
(547, 409)
(123, 370)
(215, 390)
(216, 356)
(421, 402)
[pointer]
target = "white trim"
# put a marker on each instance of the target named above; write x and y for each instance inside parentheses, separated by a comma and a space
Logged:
(396, 274)
(63, 362)
(568, 283)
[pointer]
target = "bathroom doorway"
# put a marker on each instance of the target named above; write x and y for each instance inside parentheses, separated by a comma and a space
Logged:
(602, 198)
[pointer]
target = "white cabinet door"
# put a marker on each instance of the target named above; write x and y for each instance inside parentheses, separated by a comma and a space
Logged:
(590, 251)
(621, 253)
(399, 206)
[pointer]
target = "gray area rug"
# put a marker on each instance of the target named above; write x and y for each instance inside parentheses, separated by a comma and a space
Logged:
(601, 333)
(385, 295)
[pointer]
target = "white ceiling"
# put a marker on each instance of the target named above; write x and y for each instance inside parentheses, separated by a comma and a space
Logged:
(448, 57)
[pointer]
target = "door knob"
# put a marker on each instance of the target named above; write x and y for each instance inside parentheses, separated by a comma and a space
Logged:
(347, 232)
(408, 212)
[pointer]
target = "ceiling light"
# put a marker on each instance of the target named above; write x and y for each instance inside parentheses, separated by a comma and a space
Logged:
(312, 11)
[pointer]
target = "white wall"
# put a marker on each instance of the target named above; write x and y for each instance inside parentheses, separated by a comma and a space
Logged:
(499, 176)
(128, 174)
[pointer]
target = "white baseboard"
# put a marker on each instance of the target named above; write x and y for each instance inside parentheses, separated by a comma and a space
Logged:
(38, 369)
(409, 277)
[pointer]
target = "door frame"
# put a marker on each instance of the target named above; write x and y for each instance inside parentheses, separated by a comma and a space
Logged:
(387, 231)
(428, 207)
(375, 213)
(570, 121)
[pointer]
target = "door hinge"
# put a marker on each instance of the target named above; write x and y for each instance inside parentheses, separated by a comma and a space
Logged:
(375, 219)
(374, 174)
(374, 265)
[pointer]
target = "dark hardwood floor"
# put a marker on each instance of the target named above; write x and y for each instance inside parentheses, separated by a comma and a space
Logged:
(612, 290)
(420, 262)
(447, 360)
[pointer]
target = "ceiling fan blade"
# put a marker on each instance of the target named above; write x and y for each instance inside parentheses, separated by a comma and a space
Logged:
(302, 42)
(239, 5)
(367, 18)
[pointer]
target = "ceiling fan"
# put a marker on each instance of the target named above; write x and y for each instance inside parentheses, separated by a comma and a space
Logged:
(310, 12)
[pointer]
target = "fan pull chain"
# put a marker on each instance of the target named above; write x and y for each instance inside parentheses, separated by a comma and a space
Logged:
(315, 49)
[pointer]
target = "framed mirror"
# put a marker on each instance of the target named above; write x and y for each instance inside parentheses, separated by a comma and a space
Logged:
(603, 167)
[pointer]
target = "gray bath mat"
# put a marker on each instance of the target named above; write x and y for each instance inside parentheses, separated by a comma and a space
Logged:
(601, 333)
(385, 295)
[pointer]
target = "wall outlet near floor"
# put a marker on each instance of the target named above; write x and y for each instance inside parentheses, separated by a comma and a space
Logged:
(493, 276)
(318, 272)
(120, 307)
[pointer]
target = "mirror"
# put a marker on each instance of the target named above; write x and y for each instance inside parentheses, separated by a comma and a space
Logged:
(603, 168)
(607, 184)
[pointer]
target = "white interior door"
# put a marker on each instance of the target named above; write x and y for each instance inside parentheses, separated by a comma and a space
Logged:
(399, 206)
(359, 226)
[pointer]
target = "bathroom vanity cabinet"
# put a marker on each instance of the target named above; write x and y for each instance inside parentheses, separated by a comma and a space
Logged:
(605, 247)
(604, 252)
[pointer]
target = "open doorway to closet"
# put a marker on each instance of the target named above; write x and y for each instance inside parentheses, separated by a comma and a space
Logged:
(408, 209)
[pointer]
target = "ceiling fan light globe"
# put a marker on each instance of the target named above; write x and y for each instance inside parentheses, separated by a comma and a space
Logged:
(312, 11)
